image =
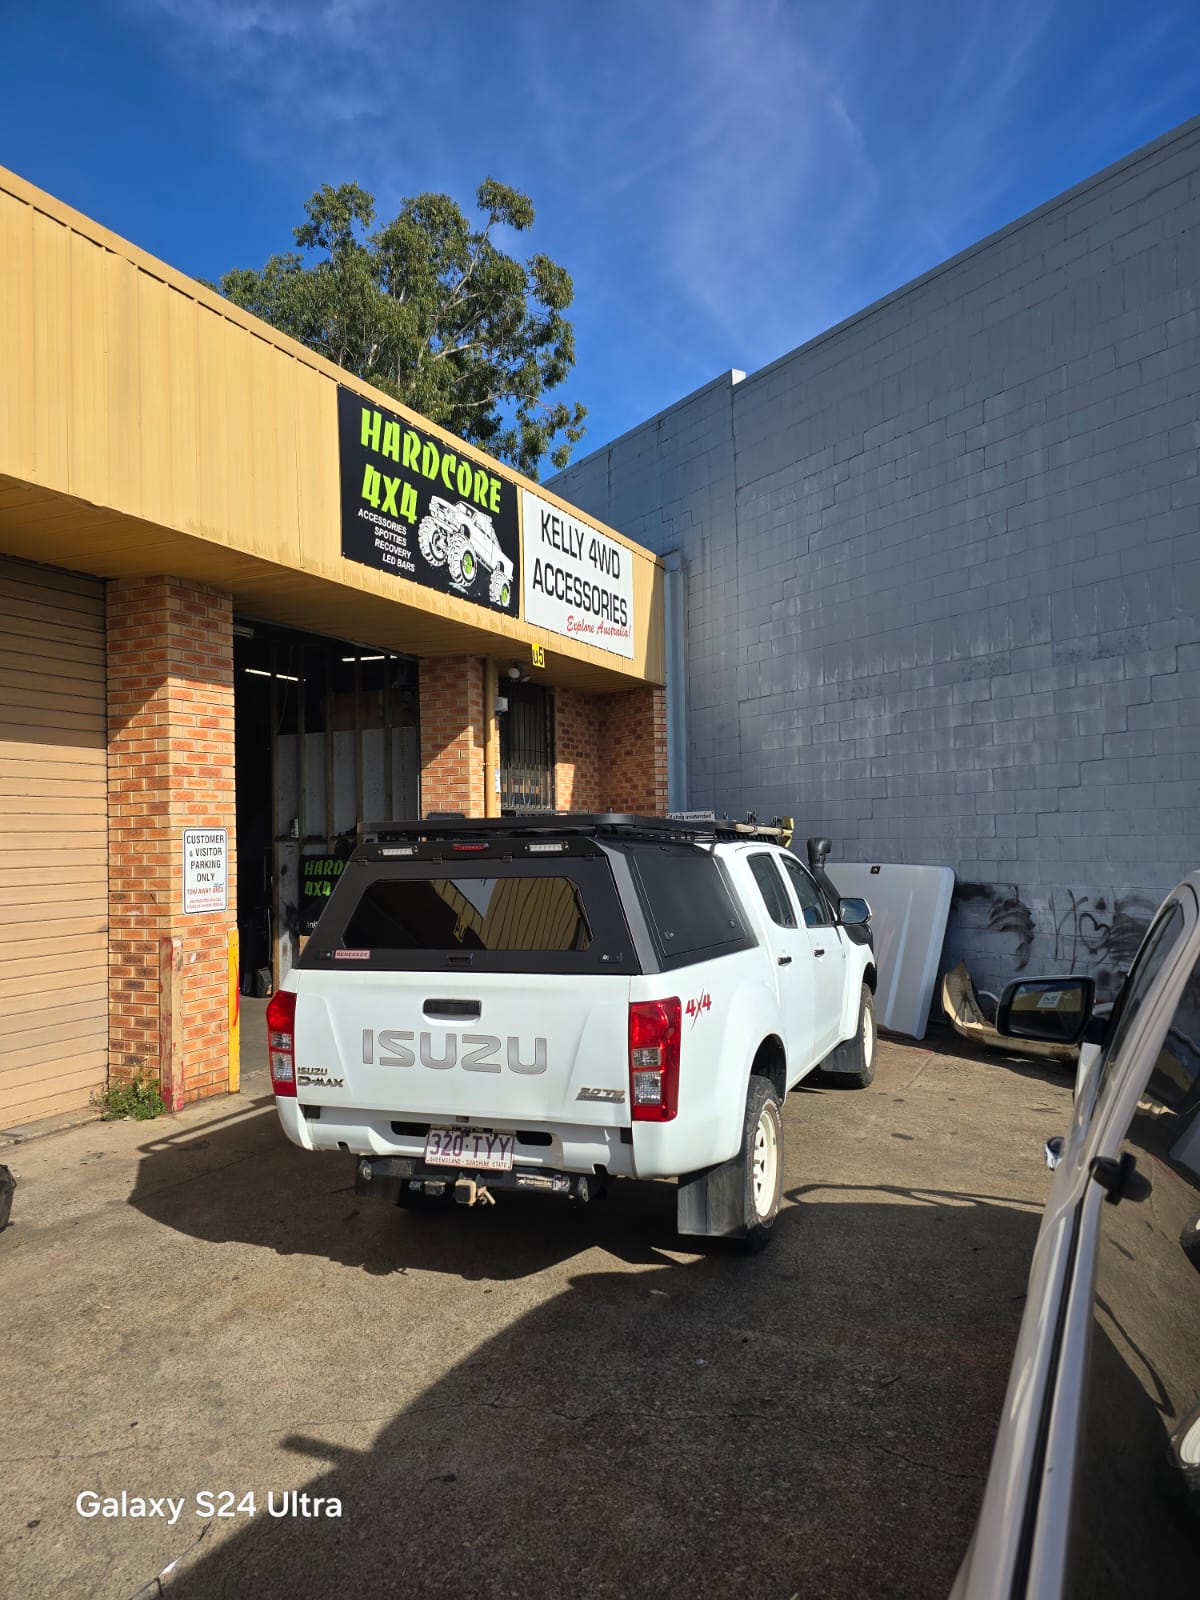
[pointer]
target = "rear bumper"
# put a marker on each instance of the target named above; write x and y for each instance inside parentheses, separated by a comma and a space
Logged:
(647, 1150)
(547, 1146)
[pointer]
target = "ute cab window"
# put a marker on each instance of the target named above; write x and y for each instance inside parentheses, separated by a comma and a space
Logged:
(771, 887)
(813, 907)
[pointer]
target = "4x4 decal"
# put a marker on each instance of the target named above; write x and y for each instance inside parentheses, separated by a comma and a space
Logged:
(695, 1007)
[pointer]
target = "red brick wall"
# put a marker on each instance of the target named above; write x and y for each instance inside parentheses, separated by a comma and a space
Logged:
(170, 767)
(633, 751)
(452, 734)
(578, 733)
(611, 751)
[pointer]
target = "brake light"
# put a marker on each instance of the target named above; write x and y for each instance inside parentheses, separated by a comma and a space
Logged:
(654, 1029)
(281, 1041)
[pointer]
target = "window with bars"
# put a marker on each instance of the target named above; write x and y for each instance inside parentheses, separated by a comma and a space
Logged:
(527, 749)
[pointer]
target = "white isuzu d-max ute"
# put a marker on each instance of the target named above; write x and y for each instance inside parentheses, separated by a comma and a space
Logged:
(552, 1002)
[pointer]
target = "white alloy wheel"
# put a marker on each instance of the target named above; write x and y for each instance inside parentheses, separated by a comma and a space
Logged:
(764, 1173)
(868, 1037)
(1188, 1444)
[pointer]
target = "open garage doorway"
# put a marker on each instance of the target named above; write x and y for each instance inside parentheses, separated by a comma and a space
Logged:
(326, 738)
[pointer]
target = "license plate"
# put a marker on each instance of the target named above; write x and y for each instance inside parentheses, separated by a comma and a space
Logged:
(469, 1147)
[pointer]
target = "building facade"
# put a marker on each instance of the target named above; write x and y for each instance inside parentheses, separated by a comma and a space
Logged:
(246, 604)
(943, 574)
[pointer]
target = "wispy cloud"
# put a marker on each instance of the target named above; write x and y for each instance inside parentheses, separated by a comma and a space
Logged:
(723, 178)
(773, 178)
(979, 105)
(298, 77)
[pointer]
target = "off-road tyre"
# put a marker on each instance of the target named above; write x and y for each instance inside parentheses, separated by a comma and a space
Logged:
(500, 589)
(461, 560)
(761, 1160)
(852, 1064)
(431, 541)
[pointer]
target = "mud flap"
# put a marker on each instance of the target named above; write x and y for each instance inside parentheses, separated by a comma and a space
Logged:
(712, 1203)
(839, 1060)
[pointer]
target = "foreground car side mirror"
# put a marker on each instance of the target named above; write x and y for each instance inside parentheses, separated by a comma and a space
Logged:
(852, 913)
(1054, 1010)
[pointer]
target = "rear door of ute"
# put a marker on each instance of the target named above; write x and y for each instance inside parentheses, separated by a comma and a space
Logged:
(480, 986)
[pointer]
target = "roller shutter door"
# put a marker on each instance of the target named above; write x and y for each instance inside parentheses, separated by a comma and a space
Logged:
(53, 843)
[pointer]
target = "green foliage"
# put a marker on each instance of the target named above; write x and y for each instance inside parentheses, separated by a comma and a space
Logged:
(138, 1097)
(429, 310)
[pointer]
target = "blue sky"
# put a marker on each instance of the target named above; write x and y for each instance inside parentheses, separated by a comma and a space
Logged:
(723, 178)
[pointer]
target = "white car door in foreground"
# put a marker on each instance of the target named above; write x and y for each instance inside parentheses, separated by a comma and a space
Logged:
(1094, 1487)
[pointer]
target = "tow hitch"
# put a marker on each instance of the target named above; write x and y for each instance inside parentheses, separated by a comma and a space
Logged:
(389, 1177)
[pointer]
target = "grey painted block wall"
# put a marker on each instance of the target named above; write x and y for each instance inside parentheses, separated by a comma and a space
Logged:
(944, 575)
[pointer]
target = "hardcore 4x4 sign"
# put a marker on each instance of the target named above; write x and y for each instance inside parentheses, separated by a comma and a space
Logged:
(413, 505)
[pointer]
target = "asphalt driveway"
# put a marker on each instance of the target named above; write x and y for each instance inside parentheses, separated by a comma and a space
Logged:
(522, 1400)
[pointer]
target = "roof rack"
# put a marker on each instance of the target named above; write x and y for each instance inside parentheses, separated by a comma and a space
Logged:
(693, 829)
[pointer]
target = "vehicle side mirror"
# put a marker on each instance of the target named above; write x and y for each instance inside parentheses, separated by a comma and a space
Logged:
(852, 913)
(1054, 1010)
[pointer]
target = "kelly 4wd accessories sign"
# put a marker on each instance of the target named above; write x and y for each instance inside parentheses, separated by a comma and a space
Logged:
(578, 581)
(413, 505)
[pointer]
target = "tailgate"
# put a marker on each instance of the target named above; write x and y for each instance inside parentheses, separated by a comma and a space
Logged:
(512, 1050)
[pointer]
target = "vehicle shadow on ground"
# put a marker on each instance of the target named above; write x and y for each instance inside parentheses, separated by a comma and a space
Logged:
(239, 1180)
(814, 1420)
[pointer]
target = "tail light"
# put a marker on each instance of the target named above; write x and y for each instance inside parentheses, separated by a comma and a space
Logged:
(654, 1028)
(281, 1041)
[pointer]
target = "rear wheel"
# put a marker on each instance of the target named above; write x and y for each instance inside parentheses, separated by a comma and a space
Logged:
(739, 1198)
(762, 1162)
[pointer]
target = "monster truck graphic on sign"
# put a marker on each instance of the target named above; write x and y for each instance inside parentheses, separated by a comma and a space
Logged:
(463, 539)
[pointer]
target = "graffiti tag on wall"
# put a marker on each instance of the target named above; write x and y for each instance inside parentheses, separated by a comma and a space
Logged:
(1097, 933)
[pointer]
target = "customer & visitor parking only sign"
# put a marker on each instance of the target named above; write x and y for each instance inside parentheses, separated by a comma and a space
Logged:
(205, 870)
